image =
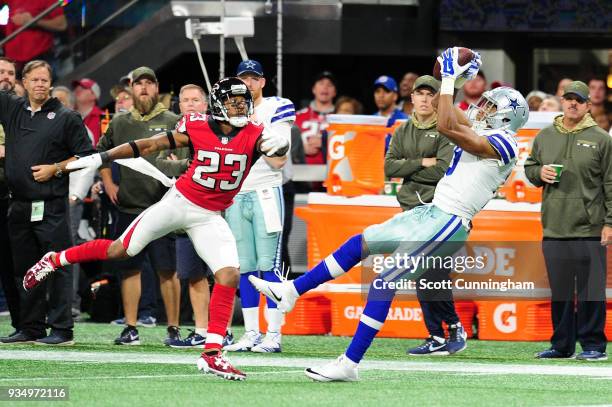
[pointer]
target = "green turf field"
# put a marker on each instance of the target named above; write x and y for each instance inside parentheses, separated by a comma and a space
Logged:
(487, 373)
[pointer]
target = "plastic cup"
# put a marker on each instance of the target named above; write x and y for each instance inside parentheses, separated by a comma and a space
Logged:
(558, 170)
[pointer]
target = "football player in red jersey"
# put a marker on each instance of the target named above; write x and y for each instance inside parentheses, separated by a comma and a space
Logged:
(225, 145)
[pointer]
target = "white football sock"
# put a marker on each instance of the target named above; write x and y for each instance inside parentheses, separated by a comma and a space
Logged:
(251, 319)
(275, 320)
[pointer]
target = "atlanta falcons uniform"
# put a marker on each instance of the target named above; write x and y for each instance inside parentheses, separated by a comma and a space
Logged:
(220, 166)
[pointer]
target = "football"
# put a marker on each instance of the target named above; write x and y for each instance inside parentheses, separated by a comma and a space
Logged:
(465, 56)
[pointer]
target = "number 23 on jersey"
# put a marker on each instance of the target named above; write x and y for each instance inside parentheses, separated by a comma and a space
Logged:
(211, 164)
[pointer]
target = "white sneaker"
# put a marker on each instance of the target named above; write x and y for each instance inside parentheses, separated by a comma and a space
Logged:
(340, 370)
(248, 340)
(283, 293)
(270, 344)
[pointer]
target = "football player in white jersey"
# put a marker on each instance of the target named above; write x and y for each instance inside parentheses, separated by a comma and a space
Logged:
(256, 217)
(485, 154)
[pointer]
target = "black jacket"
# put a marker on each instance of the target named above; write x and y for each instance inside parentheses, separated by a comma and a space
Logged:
(50, 135)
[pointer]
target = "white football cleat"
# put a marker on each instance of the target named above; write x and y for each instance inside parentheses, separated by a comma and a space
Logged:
(270, 344)
(248, 340)
(283, 293)
(340, 370)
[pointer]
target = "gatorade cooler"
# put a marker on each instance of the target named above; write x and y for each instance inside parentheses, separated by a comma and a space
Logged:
(355, 154)
(311, 316)
(514, 320)
(405, 318)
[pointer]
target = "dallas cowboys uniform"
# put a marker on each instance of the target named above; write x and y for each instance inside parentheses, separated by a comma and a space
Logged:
(258, 247)
(469, 183)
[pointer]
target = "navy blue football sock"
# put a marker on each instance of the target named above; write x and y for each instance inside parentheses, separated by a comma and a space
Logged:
(370, 323)
(249, 296)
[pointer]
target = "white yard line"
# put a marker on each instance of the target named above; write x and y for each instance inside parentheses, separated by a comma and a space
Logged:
(135, 377)
(573, 368)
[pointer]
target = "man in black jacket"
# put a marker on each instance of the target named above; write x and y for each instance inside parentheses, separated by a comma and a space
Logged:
(42, 136)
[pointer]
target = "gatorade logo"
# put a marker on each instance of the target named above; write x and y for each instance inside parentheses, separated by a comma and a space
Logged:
(504, 318)
(395, 313)
(336, 147)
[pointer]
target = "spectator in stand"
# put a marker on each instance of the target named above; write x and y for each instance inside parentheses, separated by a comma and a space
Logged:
(561, 87)
(405, 92)
(39, 191)
(577, 223)
(123, 98)
(37, 41)
(136, 192)
(385, 98)
(534, 99)
(597, 95)
(473, 90)
(87, 94)
(64, 95)
(7, 273)
(550, 104)
(348, 105)
(312, 123)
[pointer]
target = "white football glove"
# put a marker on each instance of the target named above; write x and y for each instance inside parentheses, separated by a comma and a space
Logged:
(474, 67)
(93, 162)
(272, 142)
(449, 66)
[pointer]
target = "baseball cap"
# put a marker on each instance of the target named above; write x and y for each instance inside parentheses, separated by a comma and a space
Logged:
(386, 82)
(577, 88)
(143, 72)
(427, 80)
(126, 79)
(87, 83)
(326, 75)
(249, 66)
(117, 89)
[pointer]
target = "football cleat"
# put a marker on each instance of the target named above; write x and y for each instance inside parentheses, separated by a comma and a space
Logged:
(216, 363)
(340, 370)
(433, 346)
(283, 293)
(173, 335)
(228, 339)
(39, 272)
(129, 336)
(193, 340)
(457, 338)
(248, 340)
(270, 344)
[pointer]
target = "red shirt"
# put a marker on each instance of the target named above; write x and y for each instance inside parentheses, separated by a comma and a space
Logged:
(311, 124)
(33, 41)
(221, 163)
(92, 122)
